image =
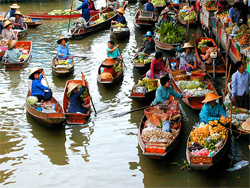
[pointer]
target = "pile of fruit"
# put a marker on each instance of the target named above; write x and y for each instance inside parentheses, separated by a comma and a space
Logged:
(144, 86)
(203, 43)
(243, 35)
(120, 29)
(210, 3)
(104, 16)
(118, 68)
(27, 20)
(191, 16)
(223, 16)
(4, 42)
(158, 2)
(119, 25)
(63, 12)
(142, 59)
(205, 138)
(169, 33)
(230, 28)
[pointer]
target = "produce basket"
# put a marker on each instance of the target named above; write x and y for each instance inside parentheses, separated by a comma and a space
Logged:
(199, 76)
(175, 72)
(179, 77)
(153, 83)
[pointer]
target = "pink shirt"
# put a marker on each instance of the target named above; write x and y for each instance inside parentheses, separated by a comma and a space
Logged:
(157, 67)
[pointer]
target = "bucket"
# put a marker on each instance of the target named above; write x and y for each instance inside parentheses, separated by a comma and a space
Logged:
(214, 23)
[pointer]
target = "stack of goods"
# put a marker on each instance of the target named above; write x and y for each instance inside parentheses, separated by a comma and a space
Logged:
(158, 127)
(63, 12)
(210, 3)
(193, 88)
(27, 20)
(169, 33)
(118, 68)
(191, 16)
(32, 100)
(4, 42)
(202, 45)
(159, 2)
(243, 35)
(223, 16)
(143, 59)
(64, 63)
(104, 16)
(206, 139)
(119, 27)
(230, 28)
(145, 85)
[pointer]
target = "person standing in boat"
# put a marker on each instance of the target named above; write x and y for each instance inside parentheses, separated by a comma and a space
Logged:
(91, 6)
(113, 52)
(76, 101)
(85, 10)
(148, 45)
(42, 92)
(7, 32)
(188, 60)
(149, 6)
(211, 48)
(13, 8)
(63, 49)
(120, 18)
(12, 53)
(211, 110)
(240, 86)
(164, 92)
(166, 17)
(157, 67)
(18, 23)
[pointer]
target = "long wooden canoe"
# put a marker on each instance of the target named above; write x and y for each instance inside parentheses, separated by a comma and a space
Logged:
(205, 162)
(26, 45)
(119, 35)
(164, 46)
(111, 81)
(220, 66)
(79, 33)
(145, 19)
(34, 23)
(74, 118)
(157, 150)
(141, 67)
(47, 117)
(22, 33)
(62, 70)
(193, 102)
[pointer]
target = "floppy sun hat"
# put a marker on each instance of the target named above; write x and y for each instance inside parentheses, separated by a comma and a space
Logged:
(148, 34)
(187, 45)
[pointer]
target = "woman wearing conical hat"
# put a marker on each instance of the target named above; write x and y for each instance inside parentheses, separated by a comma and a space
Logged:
(18, 23)
(188, 60)
(120, 18)
(12, 53)
(148, 45)
(211, 110)
(13, 7)
(7, 32)
(63, 49)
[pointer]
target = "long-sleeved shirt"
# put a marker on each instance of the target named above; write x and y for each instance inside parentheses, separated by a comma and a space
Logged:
(235, 15)
(149, 7)
(121, 19)
(13, 55)
(163, 94)
(75, 102)
(62, 50)
(240, 83)
(1, 27)
(157, 67)
(150, 47)
(186, 58)
(37, 87)
(20, 21)
(85, 10)
(113, 54)
(210, 114)
(8, 34)
(162, 20)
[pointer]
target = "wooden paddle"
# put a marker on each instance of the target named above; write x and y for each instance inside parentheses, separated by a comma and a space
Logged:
(70, 14)
(46, 79)
(83, 81)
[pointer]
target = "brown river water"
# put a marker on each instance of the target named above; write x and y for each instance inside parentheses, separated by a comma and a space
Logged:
(105, 151)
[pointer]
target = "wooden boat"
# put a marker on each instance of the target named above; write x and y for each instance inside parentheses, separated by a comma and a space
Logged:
(141, 67)
(75, 118)
(192, 23)
(46, 117)
(117, 77)
(26, 45)
(145, 19)
(220, 65)
(62, 70)
(79, 33)
(46, 16)
(119, 35)
(205, 162)
(164, 46)
(34, 23)
(193, 102)
(22, 33)
(158, 150)
(141, 95)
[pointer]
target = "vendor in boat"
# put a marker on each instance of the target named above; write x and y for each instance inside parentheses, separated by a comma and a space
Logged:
(120, 18)
(211, 48)
(148, 45)
(7, 32)
(85, 10)
(240, 86)
(76, 102)
(234, 14)
(42, 92)
(18, 23)
(113, 52)
(149, 6)
(166, 17)
(63, 49)
(13, 8)
(164, 92)
(188, 60)
(171, 8)
(12, 53)
(157, 67)
(91, 6)
(211, 110)
(195, 6)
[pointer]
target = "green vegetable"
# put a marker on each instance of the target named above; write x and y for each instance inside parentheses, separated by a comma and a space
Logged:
(32, 100)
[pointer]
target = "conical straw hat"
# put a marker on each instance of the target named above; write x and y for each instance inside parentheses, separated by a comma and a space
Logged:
(6, 23)
(211, 97)
(12, 44)
(121, 10)
(187, 45)
(14, 6)
(33, 70)
(72, 86)
(18, 13)
(61, 38)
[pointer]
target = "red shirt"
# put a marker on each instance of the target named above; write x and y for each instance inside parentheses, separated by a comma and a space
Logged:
(157, 67)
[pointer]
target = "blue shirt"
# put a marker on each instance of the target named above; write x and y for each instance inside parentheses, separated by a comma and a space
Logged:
(163, 94)
(1, 27)
(85, 10)
(12, 12)
(62, 50)
(113, 54)
(162, 20)
(210, 114)
(121, 19)
(37, 87)
(240, 83)
(76, 101)
(234, 15)
(149, 7)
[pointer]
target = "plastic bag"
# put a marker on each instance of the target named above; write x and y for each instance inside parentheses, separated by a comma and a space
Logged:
(238, 166)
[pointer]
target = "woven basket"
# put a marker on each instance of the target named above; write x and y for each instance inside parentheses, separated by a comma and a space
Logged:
(175, 72)
(179, 77)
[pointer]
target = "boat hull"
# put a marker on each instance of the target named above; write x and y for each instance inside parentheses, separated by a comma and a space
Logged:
(61, 71)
